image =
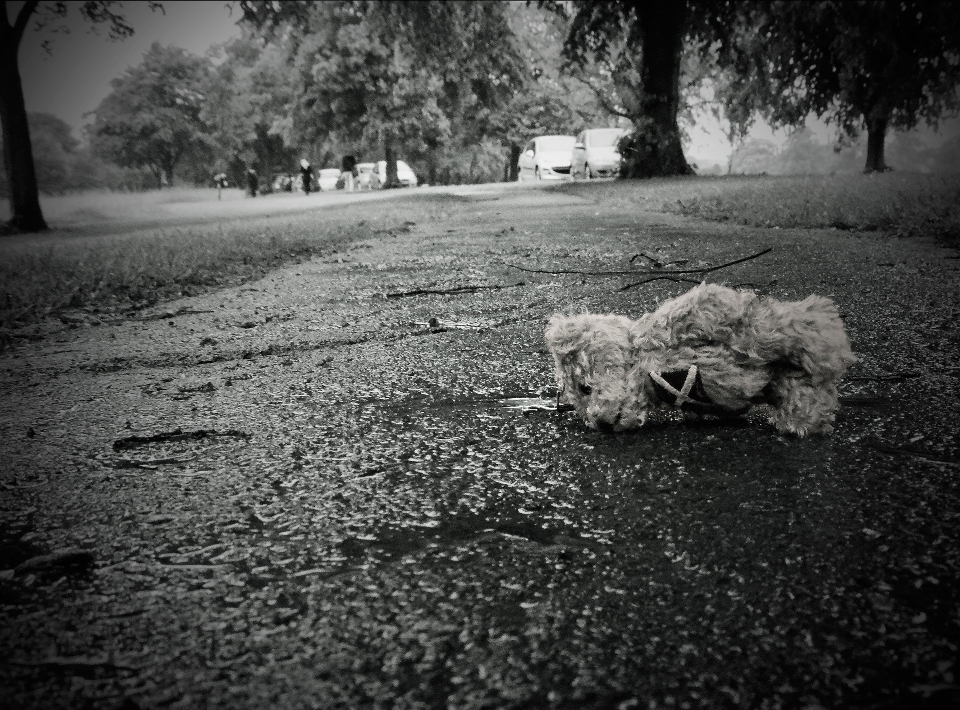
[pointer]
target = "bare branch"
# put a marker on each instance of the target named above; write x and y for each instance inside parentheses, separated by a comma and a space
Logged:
(602, 99)
(641, 273)
(659, 278)
(450, 291)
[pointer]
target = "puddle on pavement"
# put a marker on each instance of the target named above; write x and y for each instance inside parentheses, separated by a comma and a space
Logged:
(532, 404)
(523, 402)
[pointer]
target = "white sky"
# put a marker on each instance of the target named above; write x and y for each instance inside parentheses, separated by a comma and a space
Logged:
(709, 145)
(75, 77)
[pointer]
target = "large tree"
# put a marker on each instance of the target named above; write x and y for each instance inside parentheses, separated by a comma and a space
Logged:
(871, 64)
(18, 152)
(642, 43)
(152, 117)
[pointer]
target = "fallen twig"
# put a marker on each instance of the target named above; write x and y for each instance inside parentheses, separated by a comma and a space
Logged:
(657, 264)
(74, 663)
(913, 452)
(908, 375)
(450, 291)
(659, 278)
(657, 272)
(191, 553)
(171, 314)
(436, 323)
(68, 557)
(151, 463)
(854, 401)
(21, 486)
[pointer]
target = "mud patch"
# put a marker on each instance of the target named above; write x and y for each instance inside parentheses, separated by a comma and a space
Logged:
(177, 435)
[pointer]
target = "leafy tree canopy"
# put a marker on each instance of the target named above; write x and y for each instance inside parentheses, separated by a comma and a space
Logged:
(152, 117)
(248, 107)
(642, 47)
(873, 64)
(442, 82)
(418, 76)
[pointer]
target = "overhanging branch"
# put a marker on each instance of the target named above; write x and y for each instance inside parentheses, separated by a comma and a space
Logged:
(23, 17)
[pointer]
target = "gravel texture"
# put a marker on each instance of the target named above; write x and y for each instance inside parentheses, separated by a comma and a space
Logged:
(310, 491)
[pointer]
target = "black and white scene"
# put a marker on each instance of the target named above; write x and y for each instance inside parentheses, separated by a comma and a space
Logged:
(480, 355)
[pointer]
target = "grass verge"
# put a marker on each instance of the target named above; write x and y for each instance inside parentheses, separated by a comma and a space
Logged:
(906, 204)
(44, 275)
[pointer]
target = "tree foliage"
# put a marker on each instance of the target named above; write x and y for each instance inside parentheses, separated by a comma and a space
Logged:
(152, 117)
(248, 108)
(414, 76)
(433, 80)
(63, 164)
(869, 64)
(642, 44)
(555, 98)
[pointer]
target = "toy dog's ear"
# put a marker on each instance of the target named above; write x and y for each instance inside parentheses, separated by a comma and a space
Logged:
(564, 334)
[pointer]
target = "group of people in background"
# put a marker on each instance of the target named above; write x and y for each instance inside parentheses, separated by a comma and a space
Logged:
(349, 174)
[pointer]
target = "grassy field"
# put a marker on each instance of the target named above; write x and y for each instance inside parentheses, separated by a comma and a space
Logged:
(106, 207)
(902, 203)
(81, 268)
(105, 270)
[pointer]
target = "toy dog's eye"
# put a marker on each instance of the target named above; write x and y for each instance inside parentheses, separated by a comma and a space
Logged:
(586, 389)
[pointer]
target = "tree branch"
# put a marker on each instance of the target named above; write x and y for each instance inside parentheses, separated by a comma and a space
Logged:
(602, 100)
(23, 17)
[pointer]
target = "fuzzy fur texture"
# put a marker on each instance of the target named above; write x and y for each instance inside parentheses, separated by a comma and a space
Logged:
(748, 350)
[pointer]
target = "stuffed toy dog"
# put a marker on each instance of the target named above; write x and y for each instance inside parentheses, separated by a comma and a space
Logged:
(712, 350)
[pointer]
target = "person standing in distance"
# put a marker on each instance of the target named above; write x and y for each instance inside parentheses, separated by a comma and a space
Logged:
(306, 173)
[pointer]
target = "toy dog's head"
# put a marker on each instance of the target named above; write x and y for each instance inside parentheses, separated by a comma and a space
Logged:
(596, 372)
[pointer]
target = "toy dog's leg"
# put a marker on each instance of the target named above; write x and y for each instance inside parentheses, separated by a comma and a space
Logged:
(800, 408)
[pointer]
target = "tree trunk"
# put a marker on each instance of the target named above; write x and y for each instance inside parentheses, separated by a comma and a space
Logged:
(169, 165)
(25, 212)
(432, 167)
(654, 148)
(392, 179)
(876, 136)
(514, 166)
(433, 148)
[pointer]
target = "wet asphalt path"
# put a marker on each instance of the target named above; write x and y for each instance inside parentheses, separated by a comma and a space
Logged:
(300, 493)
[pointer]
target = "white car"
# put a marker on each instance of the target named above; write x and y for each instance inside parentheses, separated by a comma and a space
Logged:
(404, 174)
(365, 178)
(546, 158)
(595, 153)
(327, 179)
